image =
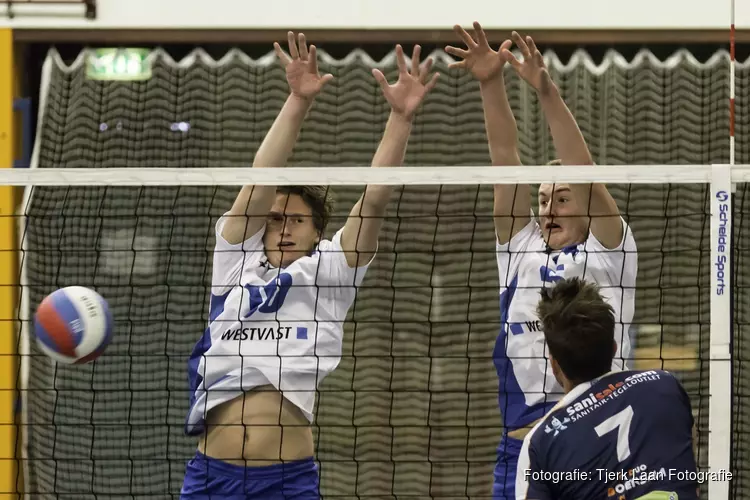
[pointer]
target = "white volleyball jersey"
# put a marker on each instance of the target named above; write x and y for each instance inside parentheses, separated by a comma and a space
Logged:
(282, 327)
(528, 389)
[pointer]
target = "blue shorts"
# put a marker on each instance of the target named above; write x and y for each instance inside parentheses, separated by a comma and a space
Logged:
(504, 486)
(208, 478)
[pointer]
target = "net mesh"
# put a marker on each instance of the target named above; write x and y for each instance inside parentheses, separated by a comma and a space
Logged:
(412, 408)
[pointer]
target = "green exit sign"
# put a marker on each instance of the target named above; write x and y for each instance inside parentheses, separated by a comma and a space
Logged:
(118, 64)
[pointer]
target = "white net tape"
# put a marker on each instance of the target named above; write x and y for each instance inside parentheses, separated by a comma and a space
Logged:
(358, 176)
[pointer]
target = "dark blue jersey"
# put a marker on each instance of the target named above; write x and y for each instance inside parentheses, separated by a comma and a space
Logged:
(619, 437)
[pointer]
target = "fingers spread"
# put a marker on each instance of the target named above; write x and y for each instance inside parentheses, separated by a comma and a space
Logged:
(312, 60)
(431, 84)
(292, 45)
(470, 43)
(521, 45)
(455, 51)
(506, 45)
(531, 44)
(510, 58)
(380, 78)
(400, 60)
(538, 58)
(481, 36)
(302, 46)
(424, 70)
(283, 57)
(415, 60)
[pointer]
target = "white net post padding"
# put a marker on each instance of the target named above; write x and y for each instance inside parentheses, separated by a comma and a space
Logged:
(720, 363)
(719, 178)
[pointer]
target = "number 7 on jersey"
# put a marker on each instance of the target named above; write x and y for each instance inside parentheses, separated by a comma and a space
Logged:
(621, 422)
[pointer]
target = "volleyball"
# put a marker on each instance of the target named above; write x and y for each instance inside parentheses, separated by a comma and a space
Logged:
(73, 325)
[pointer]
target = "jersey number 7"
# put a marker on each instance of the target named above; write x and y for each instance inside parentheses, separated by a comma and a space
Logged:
(621, 422)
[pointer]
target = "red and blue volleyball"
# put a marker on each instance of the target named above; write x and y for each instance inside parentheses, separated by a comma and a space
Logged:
(73, 325)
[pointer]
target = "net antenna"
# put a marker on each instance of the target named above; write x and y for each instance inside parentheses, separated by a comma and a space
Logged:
(732, 64)
(723, 189)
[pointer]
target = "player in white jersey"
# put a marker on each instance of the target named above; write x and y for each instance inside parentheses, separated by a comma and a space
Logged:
(280, 295)
(578, 232)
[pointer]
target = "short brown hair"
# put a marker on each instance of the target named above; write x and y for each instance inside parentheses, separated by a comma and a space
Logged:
(579, 326)
(319, 200)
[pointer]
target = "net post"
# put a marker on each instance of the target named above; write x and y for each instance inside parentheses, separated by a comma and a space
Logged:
(8, 353)
(720, 360)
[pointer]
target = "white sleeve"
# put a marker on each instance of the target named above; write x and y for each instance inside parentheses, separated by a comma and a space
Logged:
(510, 255)
(229, 259)
(334, 269)
(336, 280)
(621, 262)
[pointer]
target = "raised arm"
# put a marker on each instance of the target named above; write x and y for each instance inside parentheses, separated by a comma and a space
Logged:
(362, 229)
(512, 202)
(253, 203)
(571, 147)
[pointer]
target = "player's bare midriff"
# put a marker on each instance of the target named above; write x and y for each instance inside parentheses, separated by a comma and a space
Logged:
(258, 429)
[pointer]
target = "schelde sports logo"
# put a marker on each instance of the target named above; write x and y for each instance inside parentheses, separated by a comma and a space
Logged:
(721, 244)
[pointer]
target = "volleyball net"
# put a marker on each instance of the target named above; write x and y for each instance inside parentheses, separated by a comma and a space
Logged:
(130, 177)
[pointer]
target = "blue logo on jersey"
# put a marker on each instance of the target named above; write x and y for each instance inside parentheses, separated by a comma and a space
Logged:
(269, 298)
(548, 275)
(571, 250)
(266, 299)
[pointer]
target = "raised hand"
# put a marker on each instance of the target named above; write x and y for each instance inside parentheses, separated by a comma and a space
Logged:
(478, 58)
(301, 67)
(532, 69)
(407, 93)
